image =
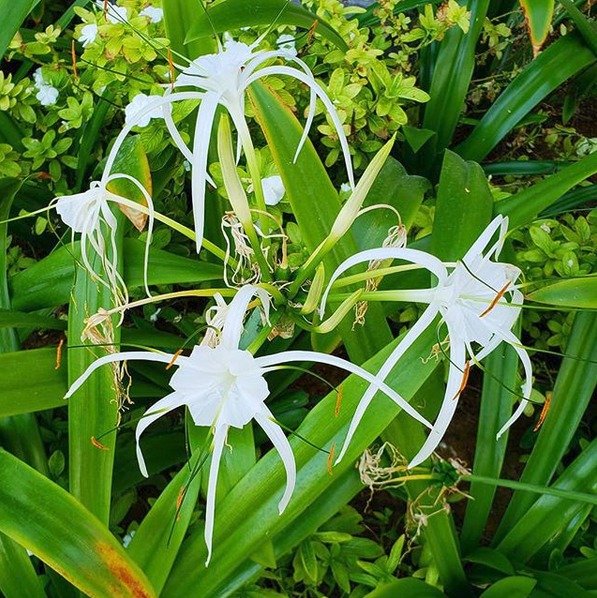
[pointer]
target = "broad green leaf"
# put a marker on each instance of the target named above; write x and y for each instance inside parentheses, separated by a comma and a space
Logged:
(394, 187)
(517, 586)
(315, 205)
(549, 515)
(10, 132)
(157, 540)
(178, 15)
(572, 293)
(13, 12)
(17, 573)
(249, 514)
(234, 14)
(17, 319)
(93, 409)
(49, 282)
(563, 59)
(492, 559)
(407, 587)
(538, 15)
(525, 205)
(583, 572)
(53, 525)
(8, 190)
(463, 208)
(573, 390)
(31, 382)
(18, 433)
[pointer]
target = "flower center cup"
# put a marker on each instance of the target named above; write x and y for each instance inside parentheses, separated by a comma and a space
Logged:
(223, 387)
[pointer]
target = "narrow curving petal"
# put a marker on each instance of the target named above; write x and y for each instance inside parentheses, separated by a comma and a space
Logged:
(409, 338)
(205, 119)
(421, 258)
(309, 80)
(376, 383)
(115, 357)
(527, 386)
(450, 401)
(161, 407)
(210, 503)
(274, 432)
(237, 308)
(477, 248)
(128, 126)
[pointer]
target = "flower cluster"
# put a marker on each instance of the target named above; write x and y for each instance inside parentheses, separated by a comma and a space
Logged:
(221, 383)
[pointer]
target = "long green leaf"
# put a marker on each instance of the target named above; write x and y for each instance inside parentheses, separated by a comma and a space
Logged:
(538, 15)
(249, 514)
(49, 282)
(234, 14)
(573, 389)
(18, 433)
(563, 59)
(17, 574)
(501, 369)
(452, 76)
(580, 293)
(549, 515)
(178, 14)
(53, 525)
(13, 14)
(463, 208)
(30, 382)
(315, 207)
(523, 207)
(17, 319)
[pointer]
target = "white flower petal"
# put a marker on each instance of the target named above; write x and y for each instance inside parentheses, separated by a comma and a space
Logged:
(210, 503)
(161, 407)
(274, 432)
(449, 403)
(88, 34)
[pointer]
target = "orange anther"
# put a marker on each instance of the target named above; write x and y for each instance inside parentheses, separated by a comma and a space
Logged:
(495, 300)
(59, 354)
(330, 462)
(97, 444)
(465, 374)
(174, 358)
(544, 411)
(339, 398)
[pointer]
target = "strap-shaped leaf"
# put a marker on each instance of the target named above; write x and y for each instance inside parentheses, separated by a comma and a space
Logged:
(234, 14)
(53, 525)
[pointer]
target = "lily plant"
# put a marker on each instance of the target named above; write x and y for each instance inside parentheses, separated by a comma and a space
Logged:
(224, 386)
(477, 300)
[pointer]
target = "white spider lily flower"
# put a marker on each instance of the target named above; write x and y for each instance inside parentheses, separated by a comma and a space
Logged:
(154, 14)
(223, 386)
(472, 301)
(88, 34)
(223, 78)
(89, 214)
